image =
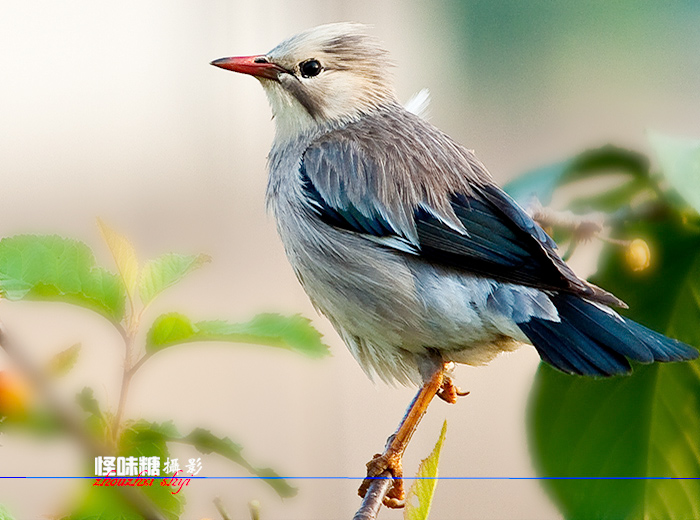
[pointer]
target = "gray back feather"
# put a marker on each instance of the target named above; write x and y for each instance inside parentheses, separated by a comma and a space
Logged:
(395, 161)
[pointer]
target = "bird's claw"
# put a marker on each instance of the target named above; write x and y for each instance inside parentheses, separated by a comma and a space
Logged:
(395, 497)
(388, 464)
(449, 392)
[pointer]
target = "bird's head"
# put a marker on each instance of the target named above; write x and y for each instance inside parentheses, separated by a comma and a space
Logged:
(329, 74)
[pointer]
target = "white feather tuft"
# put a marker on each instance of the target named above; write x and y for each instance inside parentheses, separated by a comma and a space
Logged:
(419, 104)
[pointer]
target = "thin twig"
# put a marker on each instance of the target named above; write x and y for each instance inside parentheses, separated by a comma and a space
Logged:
(374, 497)
(582, 227)
(126, 382)
(140, 363)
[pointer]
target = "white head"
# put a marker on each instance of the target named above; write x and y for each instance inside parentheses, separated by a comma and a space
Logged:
(331, 73)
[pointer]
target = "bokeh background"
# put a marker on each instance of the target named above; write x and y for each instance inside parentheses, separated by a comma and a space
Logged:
(110, 109)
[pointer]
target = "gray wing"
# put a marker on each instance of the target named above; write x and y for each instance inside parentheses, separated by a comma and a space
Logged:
(384, 192)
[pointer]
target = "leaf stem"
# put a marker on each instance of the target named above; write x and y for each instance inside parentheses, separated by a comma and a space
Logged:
(127, 374)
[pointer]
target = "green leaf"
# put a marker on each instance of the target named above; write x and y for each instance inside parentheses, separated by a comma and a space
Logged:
(680, 163)
(63, 362)
(124, 256)
(147, 439)
(595, 162)
(206, 442)
(539, 183)
(641, 426)
(608, 159)
(86, 400)
(170, 329)
(423, 488)
(40, 422)
(289, 332)
(165, 271)
(5, 514)
(103, 503)
(144, 439)
(140, 439)
(96, 421)
(612, 200)
(39, 267)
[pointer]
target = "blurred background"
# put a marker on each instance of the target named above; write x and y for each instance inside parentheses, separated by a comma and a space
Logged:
(111, 109)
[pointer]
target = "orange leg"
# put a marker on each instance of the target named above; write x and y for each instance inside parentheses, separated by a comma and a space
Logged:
(439, 384)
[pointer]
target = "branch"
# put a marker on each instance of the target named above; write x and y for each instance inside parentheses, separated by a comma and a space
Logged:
(374, 497)
(582, 227)
(127, 374)
(139, 363)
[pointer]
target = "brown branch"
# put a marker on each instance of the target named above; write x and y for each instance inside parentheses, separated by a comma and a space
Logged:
(140, 363)
(374, 497)
(69, 422)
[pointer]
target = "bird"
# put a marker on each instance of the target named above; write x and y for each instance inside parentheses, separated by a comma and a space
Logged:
(403, 240)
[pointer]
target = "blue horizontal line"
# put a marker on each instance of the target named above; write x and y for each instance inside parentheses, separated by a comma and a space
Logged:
(362, 478)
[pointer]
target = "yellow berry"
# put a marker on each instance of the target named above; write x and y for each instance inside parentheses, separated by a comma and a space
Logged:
(638, 255)
(15, 394)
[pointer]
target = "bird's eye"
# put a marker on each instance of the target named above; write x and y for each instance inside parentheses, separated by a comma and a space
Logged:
(310, 68)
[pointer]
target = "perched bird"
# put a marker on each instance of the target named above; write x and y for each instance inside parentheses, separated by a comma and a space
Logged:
(400, 236)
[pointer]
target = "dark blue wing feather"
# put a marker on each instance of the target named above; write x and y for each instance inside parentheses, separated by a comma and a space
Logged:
(480, 229)
(589, 340)
(344, 213)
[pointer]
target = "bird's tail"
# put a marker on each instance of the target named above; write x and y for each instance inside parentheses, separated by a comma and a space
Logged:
(591, 339)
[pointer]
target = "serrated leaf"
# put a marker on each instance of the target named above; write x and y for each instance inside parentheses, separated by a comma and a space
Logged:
(40, 267)
(206, 442)
(420, 497)
(680, 163)
(60, 364)
(170, 329)
(289, 332)
(145, 439)
(638, 427)
(165, 271)
(124, 257)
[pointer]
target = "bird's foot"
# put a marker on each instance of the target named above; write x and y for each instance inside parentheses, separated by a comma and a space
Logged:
(395, 497)
(388, 464)
(449, 392)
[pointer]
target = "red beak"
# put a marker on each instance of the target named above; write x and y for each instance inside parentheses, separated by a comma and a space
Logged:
(258, 66)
